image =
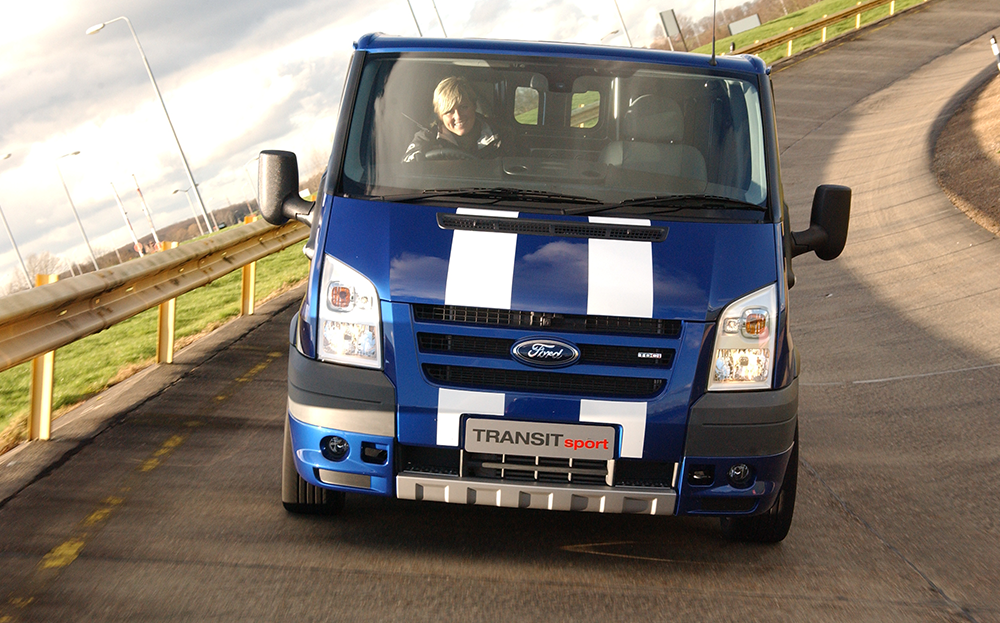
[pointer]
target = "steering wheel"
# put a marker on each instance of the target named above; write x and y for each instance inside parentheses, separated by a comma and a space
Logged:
(448, 153)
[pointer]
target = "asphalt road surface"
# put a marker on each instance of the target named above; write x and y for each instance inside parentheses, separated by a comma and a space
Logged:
(159, 500)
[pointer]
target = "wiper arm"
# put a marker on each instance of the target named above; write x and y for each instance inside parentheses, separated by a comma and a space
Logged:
(673, 203)
(495, 194)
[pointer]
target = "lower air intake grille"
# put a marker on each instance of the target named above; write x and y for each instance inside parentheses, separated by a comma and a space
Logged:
(547, 382)
(535, 469)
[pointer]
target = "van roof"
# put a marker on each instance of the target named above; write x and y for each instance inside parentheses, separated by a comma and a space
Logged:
(378, 42)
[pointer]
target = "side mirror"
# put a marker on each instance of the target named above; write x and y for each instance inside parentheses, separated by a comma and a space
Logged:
(278, 189)
(827, 233)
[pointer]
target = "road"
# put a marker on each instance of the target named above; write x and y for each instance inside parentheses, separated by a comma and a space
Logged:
(159, 501)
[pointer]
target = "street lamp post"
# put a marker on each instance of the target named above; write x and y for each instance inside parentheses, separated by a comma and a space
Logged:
(187, 169)
(73, 207)
(145, 210)
(201, 229)
(410, 4)
(121, 208)
(622, 20)
(250, 177)
(443, 31)
(17, 252)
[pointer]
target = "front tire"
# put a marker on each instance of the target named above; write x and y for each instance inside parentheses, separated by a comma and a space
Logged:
(772, 526)
(301, 497)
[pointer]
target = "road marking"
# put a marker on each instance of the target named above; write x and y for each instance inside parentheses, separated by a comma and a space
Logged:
(905, 377)
(63, 555)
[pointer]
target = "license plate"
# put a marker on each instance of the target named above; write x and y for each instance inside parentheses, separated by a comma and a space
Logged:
(571, 441)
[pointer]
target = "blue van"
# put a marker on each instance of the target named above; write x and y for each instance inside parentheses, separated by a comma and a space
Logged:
(549, 276)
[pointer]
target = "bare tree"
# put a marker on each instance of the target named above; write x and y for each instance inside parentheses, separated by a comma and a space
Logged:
(46, 263)
(12, 282)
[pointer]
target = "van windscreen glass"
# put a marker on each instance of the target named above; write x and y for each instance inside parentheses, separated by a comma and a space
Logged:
(603, 132)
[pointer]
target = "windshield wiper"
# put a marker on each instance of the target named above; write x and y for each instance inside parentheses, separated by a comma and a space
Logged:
(494, 194)
(660, 204)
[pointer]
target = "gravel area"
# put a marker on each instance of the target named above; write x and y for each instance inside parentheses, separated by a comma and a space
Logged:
(967, 156)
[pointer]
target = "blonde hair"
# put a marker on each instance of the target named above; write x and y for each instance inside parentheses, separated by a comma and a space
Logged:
(451, 92)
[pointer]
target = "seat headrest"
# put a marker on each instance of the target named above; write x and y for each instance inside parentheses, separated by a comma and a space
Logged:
(654, 119)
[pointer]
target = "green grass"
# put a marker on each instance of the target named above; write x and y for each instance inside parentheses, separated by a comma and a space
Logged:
(90, 365)
(799, 18)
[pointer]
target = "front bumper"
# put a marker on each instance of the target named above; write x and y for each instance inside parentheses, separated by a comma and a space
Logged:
(752, 428)
(355, 404)
(727, 429)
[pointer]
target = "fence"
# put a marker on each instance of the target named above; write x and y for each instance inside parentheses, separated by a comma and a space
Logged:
(36, 322)
(821, 26)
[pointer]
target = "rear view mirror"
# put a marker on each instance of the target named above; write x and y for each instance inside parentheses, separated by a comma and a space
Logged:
(278, 189)
(827, 233)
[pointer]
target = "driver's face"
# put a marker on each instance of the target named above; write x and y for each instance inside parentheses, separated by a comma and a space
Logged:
(460, 119)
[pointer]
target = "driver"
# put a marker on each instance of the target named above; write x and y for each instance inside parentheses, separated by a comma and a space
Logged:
(458, 126)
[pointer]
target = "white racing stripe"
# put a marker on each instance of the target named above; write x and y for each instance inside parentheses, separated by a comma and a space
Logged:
(453, 403)
(620, 274)
(481, 267)
(630, 415)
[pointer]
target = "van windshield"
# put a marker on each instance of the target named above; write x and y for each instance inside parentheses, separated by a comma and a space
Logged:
(560, 130)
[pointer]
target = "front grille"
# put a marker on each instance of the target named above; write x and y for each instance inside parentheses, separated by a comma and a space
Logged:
(535, 469)
(546, 382)
(428, 460)
(594, 354)
(506, 318)
(639, 473)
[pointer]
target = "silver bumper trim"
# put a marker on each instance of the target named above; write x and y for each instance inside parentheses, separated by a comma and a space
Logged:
(363, 422)
(595, 499)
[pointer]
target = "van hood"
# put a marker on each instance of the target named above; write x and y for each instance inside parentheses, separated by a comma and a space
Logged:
(680, 270)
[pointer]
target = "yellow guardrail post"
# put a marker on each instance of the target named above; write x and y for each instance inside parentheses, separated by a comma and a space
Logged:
(42, 375)
(783, 40)
(249, 286)
(166, 322)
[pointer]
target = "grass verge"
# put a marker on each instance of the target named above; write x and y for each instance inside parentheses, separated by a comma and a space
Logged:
(799, 18)
(96, 362)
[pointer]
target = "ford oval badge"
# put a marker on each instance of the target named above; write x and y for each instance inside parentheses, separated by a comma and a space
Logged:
(545, 353)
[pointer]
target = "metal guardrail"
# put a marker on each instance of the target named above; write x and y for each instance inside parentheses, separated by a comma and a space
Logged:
(820, 25)
(33, 322)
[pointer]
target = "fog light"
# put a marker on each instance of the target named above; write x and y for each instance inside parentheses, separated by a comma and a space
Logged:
(740, 475)
(334, 448)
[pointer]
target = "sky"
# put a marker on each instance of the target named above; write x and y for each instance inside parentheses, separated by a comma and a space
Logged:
(235, 77)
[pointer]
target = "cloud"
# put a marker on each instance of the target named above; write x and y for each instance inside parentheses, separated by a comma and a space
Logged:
(237, 77)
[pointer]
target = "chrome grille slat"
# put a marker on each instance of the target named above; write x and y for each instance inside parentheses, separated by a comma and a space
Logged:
(533, 468)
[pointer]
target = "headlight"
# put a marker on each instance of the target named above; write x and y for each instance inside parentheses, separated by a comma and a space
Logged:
(743, 357)
(350, 327)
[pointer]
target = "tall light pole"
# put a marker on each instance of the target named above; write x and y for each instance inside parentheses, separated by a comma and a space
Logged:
(145, 210)
(121, 208)
(443, 31)
(201, 229)
(416, 23)
(622, 20)
(250, 177)
(17, 252)
(73, 207)
(187, 169)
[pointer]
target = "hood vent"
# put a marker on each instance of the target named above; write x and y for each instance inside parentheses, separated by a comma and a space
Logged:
(561, 229)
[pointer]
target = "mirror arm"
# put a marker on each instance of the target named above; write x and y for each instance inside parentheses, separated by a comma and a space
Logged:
(809, 240)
